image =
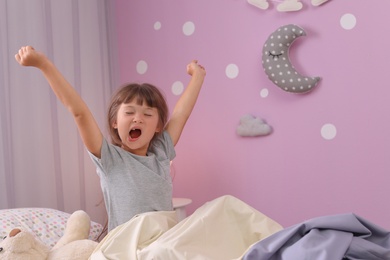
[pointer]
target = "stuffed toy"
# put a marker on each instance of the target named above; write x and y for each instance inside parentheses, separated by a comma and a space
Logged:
(74, 244)
(252, 126)
(284, 5)
(276, 61)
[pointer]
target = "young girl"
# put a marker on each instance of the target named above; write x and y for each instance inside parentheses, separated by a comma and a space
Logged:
(134, 169)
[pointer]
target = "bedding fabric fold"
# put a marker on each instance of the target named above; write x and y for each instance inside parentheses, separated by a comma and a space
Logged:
(221, 229)
(344, 236)
(123, 241)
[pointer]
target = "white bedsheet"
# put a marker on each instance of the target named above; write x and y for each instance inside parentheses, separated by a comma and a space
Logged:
(221, 229)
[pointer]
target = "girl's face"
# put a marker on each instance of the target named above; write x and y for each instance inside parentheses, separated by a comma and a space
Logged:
(136, 125)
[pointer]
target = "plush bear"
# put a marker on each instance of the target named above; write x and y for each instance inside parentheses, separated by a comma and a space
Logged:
(74, 244)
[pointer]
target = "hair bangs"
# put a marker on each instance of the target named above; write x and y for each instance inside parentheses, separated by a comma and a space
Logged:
(140, 95)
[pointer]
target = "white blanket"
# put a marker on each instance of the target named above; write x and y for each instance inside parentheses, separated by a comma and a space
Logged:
(224, 228)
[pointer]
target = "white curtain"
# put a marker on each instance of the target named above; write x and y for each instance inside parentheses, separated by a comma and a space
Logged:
(43, 162)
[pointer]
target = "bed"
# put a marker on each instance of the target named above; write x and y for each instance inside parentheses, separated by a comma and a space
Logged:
(224, 228)
(227, 228)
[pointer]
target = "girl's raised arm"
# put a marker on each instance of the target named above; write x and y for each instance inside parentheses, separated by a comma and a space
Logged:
(87, 126)
(186, 103)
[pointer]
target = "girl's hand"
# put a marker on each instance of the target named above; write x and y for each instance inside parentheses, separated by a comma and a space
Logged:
(28, 56)
(195, 68)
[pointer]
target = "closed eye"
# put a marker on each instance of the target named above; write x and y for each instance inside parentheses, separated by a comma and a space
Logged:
(275, 55)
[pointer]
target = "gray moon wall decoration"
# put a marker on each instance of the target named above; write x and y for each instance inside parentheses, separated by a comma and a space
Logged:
(276, 61)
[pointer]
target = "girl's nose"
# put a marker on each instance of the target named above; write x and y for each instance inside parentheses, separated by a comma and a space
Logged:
(137, 119)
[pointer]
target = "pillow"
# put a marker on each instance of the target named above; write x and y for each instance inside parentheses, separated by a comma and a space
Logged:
(47, 224)
(276, 61)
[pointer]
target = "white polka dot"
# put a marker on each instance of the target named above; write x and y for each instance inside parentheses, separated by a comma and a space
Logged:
(157, 26)
(348, 21)
(142, 67)
(231, 71)
(328, 131)
(264, 93)
(177, 88)
(188, 28)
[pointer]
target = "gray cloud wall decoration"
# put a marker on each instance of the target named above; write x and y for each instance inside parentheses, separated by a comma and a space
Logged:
(252, 126)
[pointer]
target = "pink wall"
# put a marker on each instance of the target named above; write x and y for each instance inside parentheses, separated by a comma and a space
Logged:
(295, 173)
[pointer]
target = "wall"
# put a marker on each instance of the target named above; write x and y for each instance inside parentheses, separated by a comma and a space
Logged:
(329, 149)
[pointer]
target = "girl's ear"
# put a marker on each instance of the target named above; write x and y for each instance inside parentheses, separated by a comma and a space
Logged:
(158, 129)
(115, 125)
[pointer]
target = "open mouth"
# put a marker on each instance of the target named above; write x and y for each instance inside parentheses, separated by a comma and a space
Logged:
(135, 133)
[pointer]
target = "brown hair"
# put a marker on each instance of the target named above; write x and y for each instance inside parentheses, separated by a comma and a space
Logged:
(142, 93)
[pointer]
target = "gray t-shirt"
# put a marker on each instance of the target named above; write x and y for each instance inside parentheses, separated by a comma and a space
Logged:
(133, 184)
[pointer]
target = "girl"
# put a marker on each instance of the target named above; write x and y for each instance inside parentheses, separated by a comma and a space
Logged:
(134, 169)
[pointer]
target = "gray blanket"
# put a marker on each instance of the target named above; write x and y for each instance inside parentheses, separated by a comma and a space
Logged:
(345, 236)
